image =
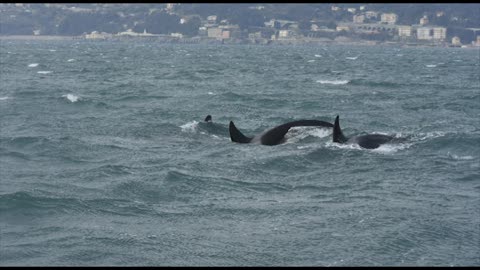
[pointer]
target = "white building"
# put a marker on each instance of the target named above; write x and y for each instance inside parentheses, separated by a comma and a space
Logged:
(342, 27)
(214, 32)
(212, 18)
(97, 35)
(283, 33)
(129, 32)
(371, 14)
(424, 33)
(439, 33)
(424, 20)
(388, 18)
(358, 18)
(456, 41)
(404, 31)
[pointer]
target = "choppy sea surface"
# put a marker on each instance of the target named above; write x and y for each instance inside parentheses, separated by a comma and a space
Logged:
(105, 158)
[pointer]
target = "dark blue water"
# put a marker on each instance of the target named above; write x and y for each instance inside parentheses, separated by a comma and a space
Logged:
(105, 160)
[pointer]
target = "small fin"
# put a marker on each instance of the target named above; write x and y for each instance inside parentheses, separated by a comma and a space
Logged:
(208, 118)
(236, 135)
(337, 132)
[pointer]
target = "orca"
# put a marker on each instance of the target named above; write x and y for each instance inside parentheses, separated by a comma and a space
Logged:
(275, 135)
(369, 141)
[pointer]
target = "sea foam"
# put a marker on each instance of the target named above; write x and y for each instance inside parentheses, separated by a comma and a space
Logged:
(33, 65)
(190, 126)
(71, 97)
(335, 82)
(44, 72)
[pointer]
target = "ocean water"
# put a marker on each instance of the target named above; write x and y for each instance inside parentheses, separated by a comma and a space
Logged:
(105, 158)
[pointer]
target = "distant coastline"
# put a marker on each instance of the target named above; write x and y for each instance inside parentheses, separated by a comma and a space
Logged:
(196, 40)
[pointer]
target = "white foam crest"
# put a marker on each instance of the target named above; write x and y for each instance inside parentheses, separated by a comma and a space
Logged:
(210, 93)
(430, 135)
(311, 61)
(71, 97)
(296, 134)
(190, 126)
(52, 50)
(44, 72)
(430, 66)
(70, 60)
(318, 55)
(391, 147)
(456, 157)
(33, 65)
(352, 58)
(4, 98)
(335, 82)
(352, 146)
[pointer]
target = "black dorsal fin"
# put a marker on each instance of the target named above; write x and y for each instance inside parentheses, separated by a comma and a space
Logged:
(208, 118)
(236, 135)
(337, 132)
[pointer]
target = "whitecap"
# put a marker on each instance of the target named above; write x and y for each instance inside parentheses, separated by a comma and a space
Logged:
(430, 66)
(318, 55)
(190, 126)
(210, 93)
(456, 157)
(4, 98)
(70, 60)
(352, 146)
(384, 148)
(296, 134)
(430, 135)
(33, 65)
(52, 50)
(311, 61)
(352, 58)
(71, 97)
(391, 147)
(335, 82)
(44, 72)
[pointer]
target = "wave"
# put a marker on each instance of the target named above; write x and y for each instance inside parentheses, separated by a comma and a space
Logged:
(297, 134)
(44, 72)
(456, 157)
(190, 126)
(431, 66)
(352, 58)
(35, 205)
(4, 98)
(23, 141)
(71, 97)
(334, 82)
(70, 60)
(33, 65)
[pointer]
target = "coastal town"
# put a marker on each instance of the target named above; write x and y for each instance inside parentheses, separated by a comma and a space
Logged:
(359, 25)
